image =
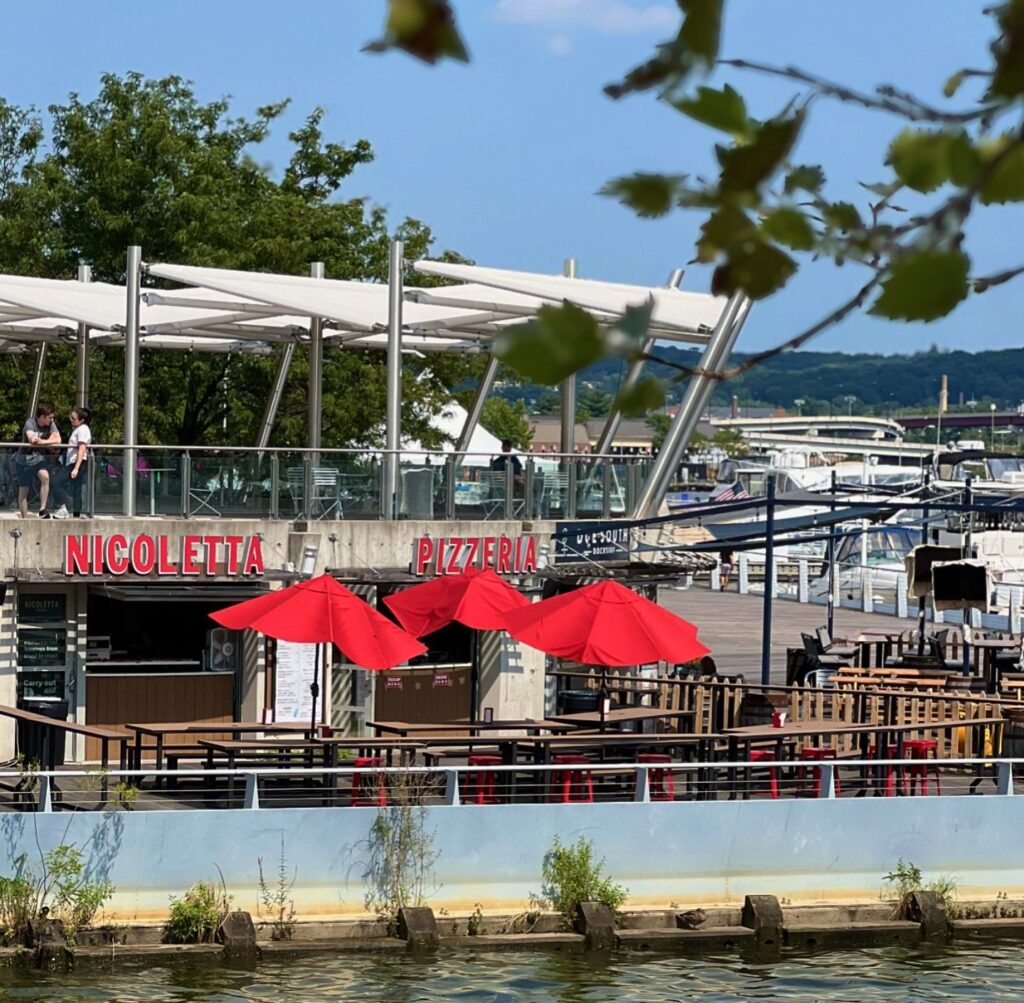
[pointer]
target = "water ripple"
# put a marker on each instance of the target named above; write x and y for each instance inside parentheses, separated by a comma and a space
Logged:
(982, 974)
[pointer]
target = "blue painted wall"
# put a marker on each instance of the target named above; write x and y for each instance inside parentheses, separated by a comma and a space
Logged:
(681, 852)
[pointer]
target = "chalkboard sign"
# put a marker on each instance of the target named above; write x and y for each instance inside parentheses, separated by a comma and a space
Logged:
(41, 684)
(42, 647)
(49, 607)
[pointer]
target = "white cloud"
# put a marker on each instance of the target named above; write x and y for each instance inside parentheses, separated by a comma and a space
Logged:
(560, 45)
(609, 17)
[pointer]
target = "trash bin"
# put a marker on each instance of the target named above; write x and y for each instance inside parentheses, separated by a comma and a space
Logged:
(578, 701)
(32, 737)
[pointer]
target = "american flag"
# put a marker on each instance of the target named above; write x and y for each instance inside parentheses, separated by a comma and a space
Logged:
(734, 492)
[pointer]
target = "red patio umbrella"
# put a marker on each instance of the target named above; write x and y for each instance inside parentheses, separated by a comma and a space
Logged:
(605, 624)
(478, 599)
(319, 611)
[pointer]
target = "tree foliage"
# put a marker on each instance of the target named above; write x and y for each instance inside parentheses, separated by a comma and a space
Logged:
(767, 212)
(145, 161)
(507, 420)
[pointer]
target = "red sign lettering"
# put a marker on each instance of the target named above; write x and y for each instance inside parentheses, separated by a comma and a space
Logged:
(95, 554)
(450, 555)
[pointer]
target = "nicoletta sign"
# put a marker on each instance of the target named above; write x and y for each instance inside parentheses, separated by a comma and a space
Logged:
(450, 555)
(96, 554)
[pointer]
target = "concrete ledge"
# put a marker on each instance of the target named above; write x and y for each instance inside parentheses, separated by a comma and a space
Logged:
(1002, 927)
(853, 934)
(705, 939)
(519, 941)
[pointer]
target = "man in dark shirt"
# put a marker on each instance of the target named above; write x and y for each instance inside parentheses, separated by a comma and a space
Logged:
(508, 457)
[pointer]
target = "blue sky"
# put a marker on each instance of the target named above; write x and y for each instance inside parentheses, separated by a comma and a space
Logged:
(503, 158)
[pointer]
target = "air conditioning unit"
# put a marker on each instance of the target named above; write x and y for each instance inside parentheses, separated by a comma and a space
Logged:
(223, 650)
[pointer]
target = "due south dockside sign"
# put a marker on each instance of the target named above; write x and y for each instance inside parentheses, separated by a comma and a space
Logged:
(117, 554)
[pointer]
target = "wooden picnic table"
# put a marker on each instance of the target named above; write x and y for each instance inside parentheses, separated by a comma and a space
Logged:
(161, 730)
(626, 715)
(469, 728)
(55, 730)
(988, 648)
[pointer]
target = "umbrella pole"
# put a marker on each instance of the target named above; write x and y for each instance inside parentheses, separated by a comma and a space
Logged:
(314, 690)
(474, 676)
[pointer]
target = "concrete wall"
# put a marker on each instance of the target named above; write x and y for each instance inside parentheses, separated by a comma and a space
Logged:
(695, 853)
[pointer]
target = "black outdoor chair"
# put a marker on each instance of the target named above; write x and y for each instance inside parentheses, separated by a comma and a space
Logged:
(829, 647)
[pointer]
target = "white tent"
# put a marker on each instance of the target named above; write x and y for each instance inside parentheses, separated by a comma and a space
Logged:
(483, 446)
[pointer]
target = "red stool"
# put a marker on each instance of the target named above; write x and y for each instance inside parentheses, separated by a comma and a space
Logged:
(481, 783)
(661, 784)
(759, 756)
(816, 753)
(574, 785)
(891, 752)
(923, 749)
(363, 793)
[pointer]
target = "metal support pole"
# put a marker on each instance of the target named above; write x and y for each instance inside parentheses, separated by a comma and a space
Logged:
(966, 499)
(769, 561)
(568, 389)
(477, 407)
(82, 351)
(921, 602)
(716, 354)
(315, 398)
(830, 617)
(611, 426)
(394, 380)
(276, 391)
(131, 375)
(37, 380)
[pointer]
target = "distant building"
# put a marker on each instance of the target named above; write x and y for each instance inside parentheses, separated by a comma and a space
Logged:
(547, 435)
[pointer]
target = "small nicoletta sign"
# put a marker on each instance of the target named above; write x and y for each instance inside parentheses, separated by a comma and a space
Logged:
(450, 555)
(117, 554)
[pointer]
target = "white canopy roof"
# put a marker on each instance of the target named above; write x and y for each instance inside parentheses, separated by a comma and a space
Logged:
(674, 310)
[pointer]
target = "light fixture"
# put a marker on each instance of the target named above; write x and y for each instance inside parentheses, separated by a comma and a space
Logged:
(308, 565)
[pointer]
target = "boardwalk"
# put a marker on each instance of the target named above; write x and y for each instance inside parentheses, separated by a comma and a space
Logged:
(730, 625)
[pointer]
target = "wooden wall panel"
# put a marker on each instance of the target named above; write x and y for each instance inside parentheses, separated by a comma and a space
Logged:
(419, 699)
(113, 701)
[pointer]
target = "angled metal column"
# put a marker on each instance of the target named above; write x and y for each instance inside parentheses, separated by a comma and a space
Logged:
(131, 375)
(477, 407)
(568, 389)
(82, 351)
(37, 380)
(611, 426)
(394, 380)
(716, 354)
(315, 394)
(274, 401)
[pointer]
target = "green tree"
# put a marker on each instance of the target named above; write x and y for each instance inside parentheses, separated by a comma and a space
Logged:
(507, 420)
(766, 211)
(592, 402)
(146, 162)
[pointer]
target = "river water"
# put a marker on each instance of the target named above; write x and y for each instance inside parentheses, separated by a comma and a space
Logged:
(994, 971)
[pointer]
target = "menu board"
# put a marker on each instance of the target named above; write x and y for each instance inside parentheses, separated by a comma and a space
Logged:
(292, 680)
(42, 647)
(42, 607)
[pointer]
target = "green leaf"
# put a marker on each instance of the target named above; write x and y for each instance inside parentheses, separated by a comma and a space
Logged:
(1008, 49)
(552, 347)
(842, 216)
(923, 285)
(1005, 183)
(921, 158)
(701, 32)
(648, 195)
(645, 395)
(965, 160)
(423, 28)
(724, 109)
(952, 85)
(789, 226)
(636, 322)
(806, 178)
(744, 168)
(756, 268)
(724, 230)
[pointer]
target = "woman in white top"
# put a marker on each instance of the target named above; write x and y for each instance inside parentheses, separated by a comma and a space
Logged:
(75, 469)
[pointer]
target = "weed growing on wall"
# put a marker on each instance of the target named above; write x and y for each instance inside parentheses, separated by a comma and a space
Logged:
(906, 878)
(275, 898)
(197, 915)
(571, 875)
(401, 850)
